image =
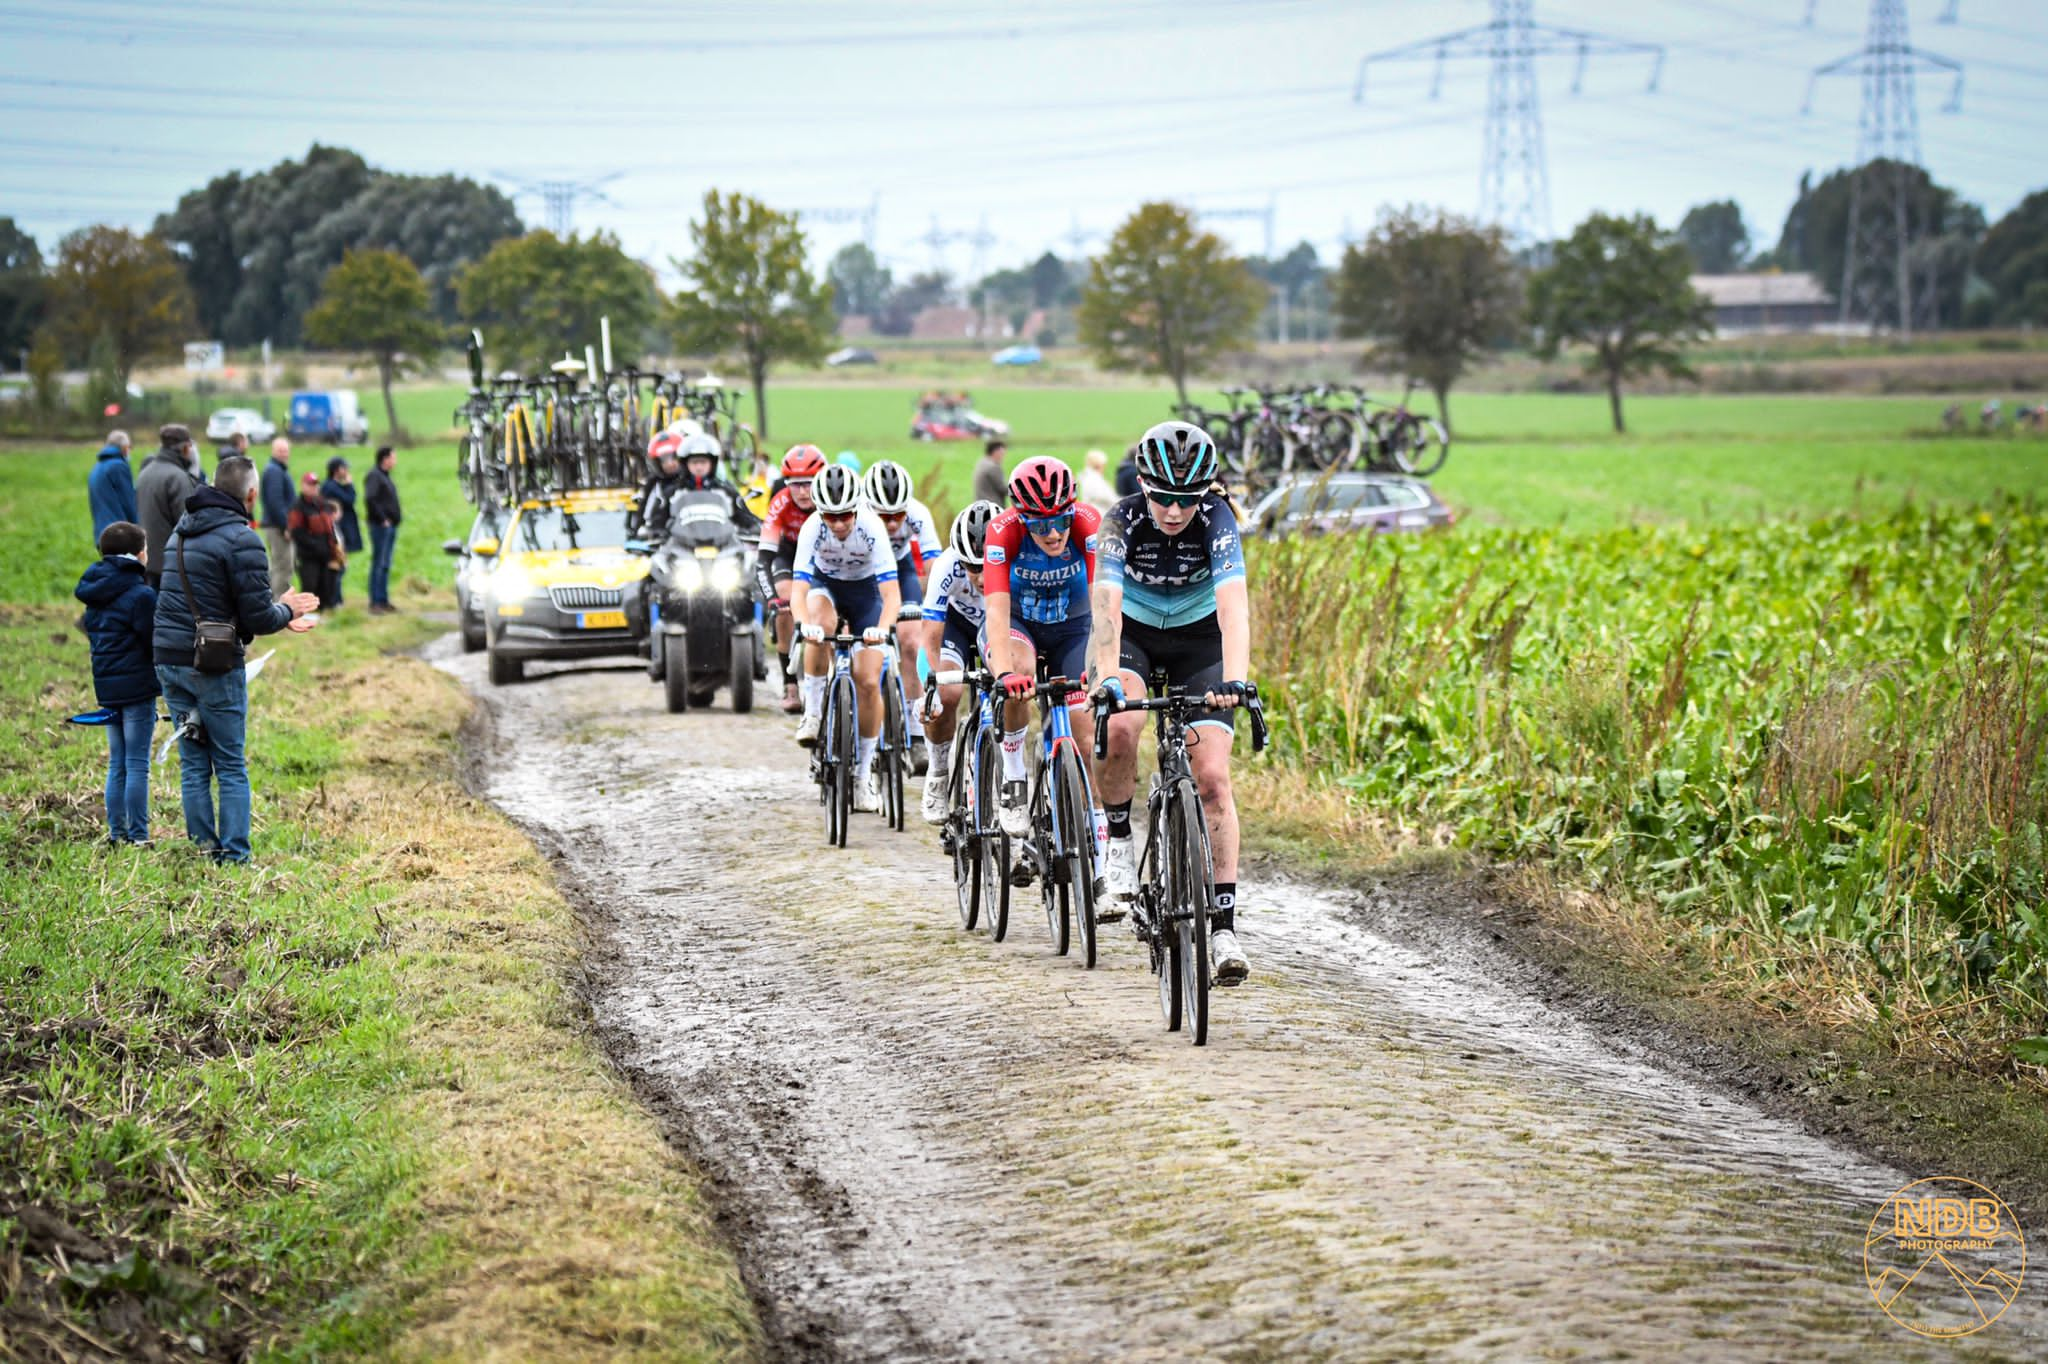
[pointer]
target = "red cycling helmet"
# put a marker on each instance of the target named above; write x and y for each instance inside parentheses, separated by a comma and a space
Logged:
(1042, 486)
(802, 463)
(665, 445)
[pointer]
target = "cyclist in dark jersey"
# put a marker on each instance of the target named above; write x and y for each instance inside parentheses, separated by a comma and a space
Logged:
(1171, 595)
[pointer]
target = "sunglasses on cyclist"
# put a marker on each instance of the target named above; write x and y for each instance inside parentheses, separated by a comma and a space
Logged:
(837, 517)
(1049, 525)
(1166, 499)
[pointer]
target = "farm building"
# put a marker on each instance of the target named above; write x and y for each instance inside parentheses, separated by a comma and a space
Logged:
(1768, 303)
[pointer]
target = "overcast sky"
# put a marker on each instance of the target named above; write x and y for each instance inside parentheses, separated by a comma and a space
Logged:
(1033, 119)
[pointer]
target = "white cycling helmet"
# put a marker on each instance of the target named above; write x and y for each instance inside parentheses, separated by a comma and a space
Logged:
(887, 486)
(836, 489)
(970, 530)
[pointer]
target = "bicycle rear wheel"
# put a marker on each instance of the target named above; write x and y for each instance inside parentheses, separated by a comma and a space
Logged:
(840, 798)
(893, 756)
(1193, 892)
(1076, 853)
(1426, 447)
(1228, 433)
(995, 844)
(1335, 441)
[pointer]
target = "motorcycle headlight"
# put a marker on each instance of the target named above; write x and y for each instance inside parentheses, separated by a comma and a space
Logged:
(689, 577)
(725, 576)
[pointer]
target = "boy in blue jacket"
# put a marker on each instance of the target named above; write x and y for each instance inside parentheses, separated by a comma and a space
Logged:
(120, 616)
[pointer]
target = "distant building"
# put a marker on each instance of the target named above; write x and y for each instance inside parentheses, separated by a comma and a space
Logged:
(1768, 303)
(945, 323)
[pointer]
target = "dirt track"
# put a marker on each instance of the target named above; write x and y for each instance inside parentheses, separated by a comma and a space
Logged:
(928, 1146)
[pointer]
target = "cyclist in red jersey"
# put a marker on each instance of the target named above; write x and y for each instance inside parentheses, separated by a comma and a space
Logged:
(774, 564)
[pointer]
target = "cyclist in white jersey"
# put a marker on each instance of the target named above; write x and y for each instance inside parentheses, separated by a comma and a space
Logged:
(953, 615)
(845, 576)
(886, 489)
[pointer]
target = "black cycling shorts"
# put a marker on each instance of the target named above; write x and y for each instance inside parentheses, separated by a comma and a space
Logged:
(1191, 656)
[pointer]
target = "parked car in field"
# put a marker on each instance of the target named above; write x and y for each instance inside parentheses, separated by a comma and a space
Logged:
(335, 417)
(222, 426)
(947, 416)
(852, 355)
(1018, 355)
(472, 574)
(1318, 504)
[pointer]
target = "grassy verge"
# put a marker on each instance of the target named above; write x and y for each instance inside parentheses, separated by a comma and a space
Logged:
(1820, 751)
(337, 1103)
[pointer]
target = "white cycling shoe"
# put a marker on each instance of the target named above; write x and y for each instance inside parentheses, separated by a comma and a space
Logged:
(1226, 959)
(867, 796)
(808, 727)
(1120, 872)
(933, 806)
(1015, 817)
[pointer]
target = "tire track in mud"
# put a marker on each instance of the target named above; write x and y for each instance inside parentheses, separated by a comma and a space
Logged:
(928, 1146)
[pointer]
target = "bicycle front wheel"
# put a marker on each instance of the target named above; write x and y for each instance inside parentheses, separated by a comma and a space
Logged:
(1076, 851)
(967, 849)
(987, 830)
(1193, 893)
(840, 799)
(1161, 935)
(894, 755)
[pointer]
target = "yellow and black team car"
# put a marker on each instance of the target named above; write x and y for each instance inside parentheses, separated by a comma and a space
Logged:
(562, 584)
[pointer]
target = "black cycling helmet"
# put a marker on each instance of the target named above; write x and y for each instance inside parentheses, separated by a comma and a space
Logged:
(1176, 457)
(887, 486)
(970, 530)
(836, 489)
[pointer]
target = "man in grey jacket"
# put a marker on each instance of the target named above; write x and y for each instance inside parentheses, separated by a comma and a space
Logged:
(161, 487)
(278, 495)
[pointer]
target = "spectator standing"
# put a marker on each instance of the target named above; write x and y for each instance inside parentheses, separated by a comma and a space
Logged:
(380, 498)
(120, 617)
(1095, 488)
(277, 507)
(1127, 475)
(224, 563)
(316, 543)
(989, 483)
(161, 487)
(340, 492)
(110, 487)
(236, 444)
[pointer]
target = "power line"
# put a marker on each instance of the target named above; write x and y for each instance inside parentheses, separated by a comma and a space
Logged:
(560, 197)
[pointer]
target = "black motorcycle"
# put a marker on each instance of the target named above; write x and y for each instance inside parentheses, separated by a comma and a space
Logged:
(702, 629)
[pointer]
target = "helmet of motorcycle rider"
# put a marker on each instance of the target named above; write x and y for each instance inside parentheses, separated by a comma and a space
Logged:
(667, 445)
(970, 530)
(802, 463)
(1042, 486)
(1176, 457)
(887, 487)
(700, 449)
(836, 490)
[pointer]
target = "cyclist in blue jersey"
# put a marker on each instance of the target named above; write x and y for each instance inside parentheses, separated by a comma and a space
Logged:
(1037, 567)
(1171, 595)
(953, 612)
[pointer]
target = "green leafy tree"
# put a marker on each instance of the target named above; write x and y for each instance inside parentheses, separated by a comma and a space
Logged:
(1049, 282)
(860, 283)
(23, 288)
(46, 374)
(749, 289)
(907, 300)
(376, 302)
(1166, 298)
(1716, 236)
(539, 295)
(131, 288)
(1816, 234)
(1620, 288)
(1435, 291)
(2013, 261)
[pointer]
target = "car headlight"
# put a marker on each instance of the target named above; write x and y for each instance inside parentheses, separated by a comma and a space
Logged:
(511, 584)
(725, 576)
(689, 577)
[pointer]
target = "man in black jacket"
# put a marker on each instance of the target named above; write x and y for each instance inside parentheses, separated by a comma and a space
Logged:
(161, 487)
(380, 506)
(278, 495)
(229, 580)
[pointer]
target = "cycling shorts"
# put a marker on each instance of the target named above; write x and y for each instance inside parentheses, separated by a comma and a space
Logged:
(1191, 656)
(960, 645)
(908, 578)
(857, 600)
(1062, 646)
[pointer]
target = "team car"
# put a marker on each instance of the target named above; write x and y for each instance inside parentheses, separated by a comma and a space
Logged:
(562, 583)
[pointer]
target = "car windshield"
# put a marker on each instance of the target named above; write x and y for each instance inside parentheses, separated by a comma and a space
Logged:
(547, 528)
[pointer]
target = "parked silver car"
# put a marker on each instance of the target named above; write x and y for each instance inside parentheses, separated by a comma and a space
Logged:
(1317, 504)
(222, 425)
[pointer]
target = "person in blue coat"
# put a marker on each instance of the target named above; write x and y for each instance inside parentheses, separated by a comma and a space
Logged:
(340, 492)
(110, 487)
(120, 617)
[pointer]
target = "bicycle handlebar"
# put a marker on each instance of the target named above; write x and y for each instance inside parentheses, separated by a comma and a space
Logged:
(1180, 703)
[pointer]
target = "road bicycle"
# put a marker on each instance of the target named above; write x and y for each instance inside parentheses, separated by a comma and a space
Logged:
(1176, 880)
(1059, 850)
(892, 749)
(973, 832)
(833, 759)
(1406, 442)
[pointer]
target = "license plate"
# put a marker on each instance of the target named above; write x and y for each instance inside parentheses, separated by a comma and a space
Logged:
(707, 551)
(600, 620)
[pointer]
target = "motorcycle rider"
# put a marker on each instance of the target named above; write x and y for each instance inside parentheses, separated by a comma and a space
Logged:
(953, 612)
(665, 453)
(699, 473)
(788, 509)
(914, 539)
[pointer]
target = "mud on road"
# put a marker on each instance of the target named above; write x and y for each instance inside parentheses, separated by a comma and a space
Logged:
(928, 1146)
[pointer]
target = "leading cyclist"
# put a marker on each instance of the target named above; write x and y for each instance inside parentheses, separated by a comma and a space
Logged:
(1172, 596)
(914, 539)
(845, 574)
(1037, 567)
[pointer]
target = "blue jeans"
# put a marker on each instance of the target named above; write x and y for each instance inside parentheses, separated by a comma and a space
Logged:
(381, 540)
(216, 758)
(128, 771)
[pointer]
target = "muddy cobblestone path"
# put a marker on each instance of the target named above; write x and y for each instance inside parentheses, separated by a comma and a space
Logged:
(929, 1146)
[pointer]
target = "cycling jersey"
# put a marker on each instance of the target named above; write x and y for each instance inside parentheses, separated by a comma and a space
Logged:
(917, 528)
(1044, 590)
(1170, 580)
(954, 590)
(784, 522)
(863, 552)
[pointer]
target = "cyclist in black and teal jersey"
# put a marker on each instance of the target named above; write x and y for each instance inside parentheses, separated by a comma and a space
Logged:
(1170, 594)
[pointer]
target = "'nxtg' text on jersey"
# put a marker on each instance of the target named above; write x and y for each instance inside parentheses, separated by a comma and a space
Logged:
(1170, 580)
